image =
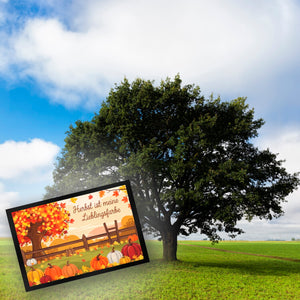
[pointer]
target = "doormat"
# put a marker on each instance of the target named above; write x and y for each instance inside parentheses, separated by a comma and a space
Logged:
(77, 235)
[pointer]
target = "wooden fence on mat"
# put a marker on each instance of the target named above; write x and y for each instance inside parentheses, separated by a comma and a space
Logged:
(111, 235)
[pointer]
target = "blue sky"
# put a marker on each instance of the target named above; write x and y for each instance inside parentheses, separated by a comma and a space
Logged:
(59, 59)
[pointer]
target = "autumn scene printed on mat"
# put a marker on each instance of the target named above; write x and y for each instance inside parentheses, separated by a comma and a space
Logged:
(77, 235)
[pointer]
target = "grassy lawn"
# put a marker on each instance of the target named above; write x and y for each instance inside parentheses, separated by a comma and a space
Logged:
(200, 274)
(281, 249)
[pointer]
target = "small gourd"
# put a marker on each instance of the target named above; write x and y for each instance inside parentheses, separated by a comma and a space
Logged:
(45, 279)
(133, 237)
(124, 260)
(114, 256)
(30, 262)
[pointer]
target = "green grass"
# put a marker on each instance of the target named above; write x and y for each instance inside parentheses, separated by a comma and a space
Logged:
(200, 274)
(281, 249)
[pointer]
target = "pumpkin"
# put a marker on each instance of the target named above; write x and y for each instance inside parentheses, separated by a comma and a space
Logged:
(30, 262)
(69, 270)
(133, 250)
(124, 260)
(114, 256)
(34, 275)
(53, 271)
(133, 238)
(99, 262)
(45, 279)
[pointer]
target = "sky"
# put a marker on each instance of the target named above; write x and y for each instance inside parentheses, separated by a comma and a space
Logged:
(59, 60)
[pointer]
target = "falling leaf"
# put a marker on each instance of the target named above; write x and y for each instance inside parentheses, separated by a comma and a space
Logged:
(125, 199)
(123, 189)
(90, 196)
(73, 200)
(101, 193)
(129, 206)
(63, 205)
(116, 193)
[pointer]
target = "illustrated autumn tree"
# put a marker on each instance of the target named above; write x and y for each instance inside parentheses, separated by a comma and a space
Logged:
(191, 160)
(39, 222)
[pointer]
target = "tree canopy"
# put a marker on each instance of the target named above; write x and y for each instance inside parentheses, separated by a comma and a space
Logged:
(36, 223)
(191, 160)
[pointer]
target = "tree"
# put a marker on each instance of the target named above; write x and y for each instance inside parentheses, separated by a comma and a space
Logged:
(35, 223)
(190, 160)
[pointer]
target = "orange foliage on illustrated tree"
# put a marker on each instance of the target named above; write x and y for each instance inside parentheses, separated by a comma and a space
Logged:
(36, 223)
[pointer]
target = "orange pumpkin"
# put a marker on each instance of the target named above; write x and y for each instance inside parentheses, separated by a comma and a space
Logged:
(99, 262)
(53, 271)
(69, 270)
(124, 260)
(133, 238)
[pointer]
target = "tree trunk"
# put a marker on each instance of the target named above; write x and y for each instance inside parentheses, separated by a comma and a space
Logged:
(36, 239)
(169, 245)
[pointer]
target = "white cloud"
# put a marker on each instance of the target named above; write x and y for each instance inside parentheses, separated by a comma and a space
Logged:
(286, 142)
(30, 160)
(223, 46)
(260, 230)
(6, 201)
(26, 167)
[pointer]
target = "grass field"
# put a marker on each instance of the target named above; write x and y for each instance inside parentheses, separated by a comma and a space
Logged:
(281, 249)
(200, 274)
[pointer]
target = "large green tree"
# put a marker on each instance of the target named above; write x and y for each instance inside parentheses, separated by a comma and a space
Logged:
(191, 160)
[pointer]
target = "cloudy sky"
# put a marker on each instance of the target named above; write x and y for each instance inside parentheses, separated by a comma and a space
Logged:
(59, 59)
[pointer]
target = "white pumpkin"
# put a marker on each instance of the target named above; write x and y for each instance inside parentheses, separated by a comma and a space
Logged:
(114, 256)
(30, 262)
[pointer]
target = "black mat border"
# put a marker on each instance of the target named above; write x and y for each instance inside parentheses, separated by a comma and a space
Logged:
(80, 193)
